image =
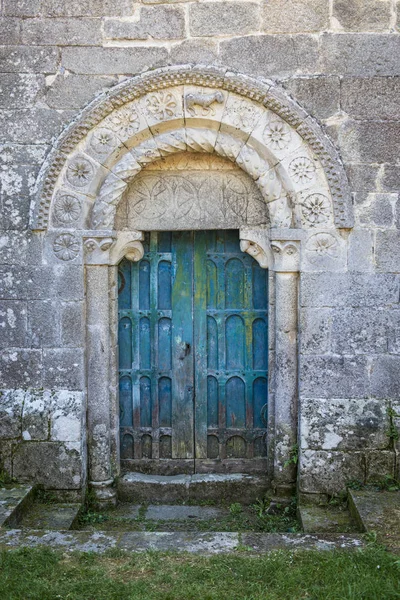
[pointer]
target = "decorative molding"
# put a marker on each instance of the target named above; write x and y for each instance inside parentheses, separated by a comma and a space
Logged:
(256, 243)
(250, 97)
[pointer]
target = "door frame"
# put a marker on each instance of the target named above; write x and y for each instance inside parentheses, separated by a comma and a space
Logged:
(277, 250)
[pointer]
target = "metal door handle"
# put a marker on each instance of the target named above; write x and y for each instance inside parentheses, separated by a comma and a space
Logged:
(185, 351)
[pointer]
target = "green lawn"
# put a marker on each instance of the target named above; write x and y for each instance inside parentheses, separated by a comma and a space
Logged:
(30, 574)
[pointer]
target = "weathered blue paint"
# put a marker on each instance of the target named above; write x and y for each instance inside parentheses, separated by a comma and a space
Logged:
(193, 349)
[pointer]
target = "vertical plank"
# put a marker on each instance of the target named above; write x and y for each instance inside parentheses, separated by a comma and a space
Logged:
(182, 346)
(205, 337)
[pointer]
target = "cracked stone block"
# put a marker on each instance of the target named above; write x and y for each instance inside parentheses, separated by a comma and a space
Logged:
(89, 8)
(271, 55)
(222, 18)
(361, 15)
(21, 365)
(35, 415)
(10, 31)
(326, 472)
(375, 210)
(11, 404)
(332, 424)
(67, 416)
(158, 23)
(75, 91)
(38, 124)
(63, 368)
(334, 376)
(387, 251)
(24, 59)
(370, 97)
(108, 61)
(43, 324)
(72, 324)
(369, 141)
(358, 54)
(294, 16)
(359, 331)
(317, 95)
(12, 323)
(360, 256)
(315, 325)
(62, 32)
(349, 289)
(196, 50)
(55, 465)
(385, 377)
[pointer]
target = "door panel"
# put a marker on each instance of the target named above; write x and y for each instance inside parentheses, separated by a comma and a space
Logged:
(182, 335)
(231, 355)
(193, 352)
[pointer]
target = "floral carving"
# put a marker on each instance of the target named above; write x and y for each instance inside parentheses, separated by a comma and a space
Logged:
(316, 209)
(67, 209)
(79, 172)
(322, 245)
(103, 140)
(125, 122)
(302, 170)
(162, 106)
(276, 135)
(242, 115)
(66, 246)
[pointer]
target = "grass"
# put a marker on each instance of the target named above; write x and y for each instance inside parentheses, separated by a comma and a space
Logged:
(42, 574)
(236, 518)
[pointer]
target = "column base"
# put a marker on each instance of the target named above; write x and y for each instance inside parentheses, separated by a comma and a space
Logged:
(105, 495)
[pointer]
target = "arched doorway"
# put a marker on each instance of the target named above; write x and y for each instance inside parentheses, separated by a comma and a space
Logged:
(197, 110)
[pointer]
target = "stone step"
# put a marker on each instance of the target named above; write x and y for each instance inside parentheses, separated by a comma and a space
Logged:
(379, 512)
(325, 519)
(237, 487)
(52, 517)
(176, 541)
(14, 501)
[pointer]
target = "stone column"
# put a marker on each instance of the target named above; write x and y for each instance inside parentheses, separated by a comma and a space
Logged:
(98, 368)
(282, 256)
(286, 266)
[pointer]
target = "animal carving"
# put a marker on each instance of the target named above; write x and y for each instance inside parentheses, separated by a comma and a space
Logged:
(203, 100)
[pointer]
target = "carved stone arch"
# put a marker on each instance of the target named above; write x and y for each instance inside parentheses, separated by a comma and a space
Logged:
(197, 109)
(250, 122)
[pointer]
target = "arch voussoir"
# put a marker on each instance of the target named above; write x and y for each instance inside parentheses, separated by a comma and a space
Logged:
(179, 109)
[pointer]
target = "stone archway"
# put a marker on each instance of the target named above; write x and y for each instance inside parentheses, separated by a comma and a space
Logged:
(189, 109)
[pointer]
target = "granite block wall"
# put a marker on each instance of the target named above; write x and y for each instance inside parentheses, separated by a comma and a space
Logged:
(340, 61)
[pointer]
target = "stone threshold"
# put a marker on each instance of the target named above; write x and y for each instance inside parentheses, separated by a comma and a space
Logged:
(198, 543)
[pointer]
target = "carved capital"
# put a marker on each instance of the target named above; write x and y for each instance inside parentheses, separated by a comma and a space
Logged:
(286, 255)
(97, 247)
(256, 243)
(128, 245)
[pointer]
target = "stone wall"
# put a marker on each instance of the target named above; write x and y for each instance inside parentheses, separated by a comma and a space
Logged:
(339, 60)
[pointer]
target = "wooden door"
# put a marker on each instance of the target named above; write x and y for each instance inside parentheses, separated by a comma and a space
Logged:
(193, 353)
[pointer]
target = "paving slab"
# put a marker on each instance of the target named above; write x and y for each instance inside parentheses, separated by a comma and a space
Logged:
(13, 502)
(325, 519)
(55, 516)
(201, 543)
(170, 512)
(379, 512)
(126, 510)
